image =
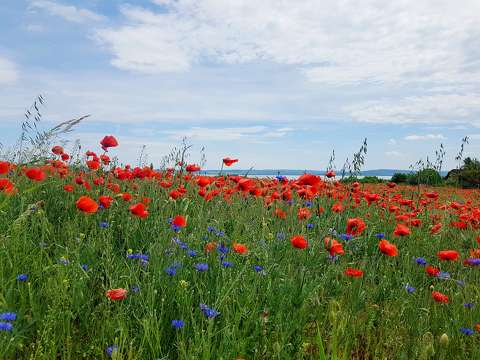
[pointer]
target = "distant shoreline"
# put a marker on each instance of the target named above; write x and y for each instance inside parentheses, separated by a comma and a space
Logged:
(296, 172)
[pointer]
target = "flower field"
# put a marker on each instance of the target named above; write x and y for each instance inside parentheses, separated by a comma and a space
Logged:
(103, 261)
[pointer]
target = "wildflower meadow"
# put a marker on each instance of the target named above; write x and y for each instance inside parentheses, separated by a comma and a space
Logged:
(101, 261)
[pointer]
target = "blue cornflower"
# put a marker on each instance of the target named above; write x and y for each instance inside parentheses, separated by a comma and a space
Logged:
(135, 288)
(346, 237)
(184, 246)
(223, 249)
(84, 267)
(421, 261)
(257, 268)
(290, 202)
(22, 277)
(171, 270)
(467, 331)
(280, 178)
(175, 228)
(101, 207)
(473, 261)
(8, 316)
(211, 229)
(192, 253)
(460, 283)
(111, 349)
(410, 289)
(380, 236)
(466, 306)
(201, 267)
(281, 236)
(310, 226)
(143, 262)
(103, 224)
(443, 275)
(333, 258)
(227, 264)
(178, 324)
(209, 312)
(308, 204)
(138, 256)
(5, 326)
(220, 233)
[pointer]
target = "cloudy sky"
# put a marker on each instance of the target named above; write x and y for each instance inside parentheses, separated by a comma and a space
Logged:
(276, 83)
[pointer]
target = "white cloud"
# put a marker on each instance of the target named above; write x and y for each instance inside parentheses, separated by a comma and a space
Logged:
(34, 28)
(8, 71)
(67, 12)
(393, 154)
(392, 142)
(250, 133)
(425, 137)
(335, 43)
(437, 108)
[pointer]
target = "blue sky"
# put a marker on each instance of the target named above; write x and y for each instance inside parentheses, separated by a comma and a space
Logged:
(278, 84)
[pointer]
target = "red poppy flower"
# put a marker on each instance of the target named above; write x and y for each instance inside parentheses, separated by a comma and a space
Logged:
(105, 159)
(309, 179)
(179, 221)
(35, 174)
(280, 213)
(87, 205)
(57, 150)
(93, 164)
(435, 229)
(299, 242)
(4, 167)
(139, 210)
(203, 181)
(304, 214)
(117, 294)
(6, 186)
(192, 168)
(240, 248)
(353, 272)
(431, 195)
(333, 246)
(175, 194)
(337, 207)
(126, 196)
(355, 226)
(451, 255)
(68, 188)
(105, 201)
(108, 141)
(229, 162)
(387, 248)
(401, 230)
(209, 247)
(330, 174)
(439, 297)
(432, 271)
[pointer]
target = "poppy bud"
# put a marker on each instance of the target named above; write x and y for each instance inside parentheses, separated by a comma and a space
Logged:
(444, 340)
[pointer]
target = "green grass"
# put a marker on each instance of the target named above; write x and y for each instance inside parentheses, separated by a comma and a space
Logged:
(300, 306)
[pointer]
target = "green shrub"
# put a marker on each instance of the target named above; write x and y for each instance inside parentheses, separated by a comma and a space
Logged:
(399, 178)
(425, 177)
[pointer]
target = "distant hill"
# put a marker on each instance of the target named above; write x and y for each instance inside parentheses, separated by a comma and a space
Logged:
(295, 172)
